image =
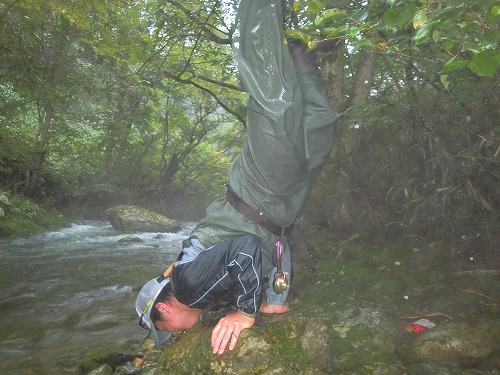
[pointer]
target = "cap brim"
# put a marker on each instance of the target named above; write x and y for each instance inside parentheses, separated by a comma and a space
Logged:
(160, 337)
(145, 301)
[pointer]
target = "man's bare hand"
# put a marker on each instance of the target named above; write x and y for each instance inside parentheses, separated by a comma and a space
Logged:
(228, 330)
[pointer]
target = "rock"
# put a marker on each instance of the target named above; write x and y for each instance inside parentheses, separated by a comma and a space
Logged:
(130, 369)
(292, 344)
(133, 218)
(130, 239)
(4, 200)
(151, 371)
(316, 343)
(103, 370)
(103, 356)
(436, 369)
(462, 343)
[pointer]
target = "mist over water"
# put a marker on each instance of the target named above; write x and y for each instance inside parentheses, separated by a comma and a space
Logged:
(67, 292)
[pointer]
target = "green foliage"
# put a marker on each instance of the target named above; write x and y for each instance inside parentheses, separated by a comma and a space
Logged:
(18, 125)
(106, 102)
(466, 31)
(24, 216)
(423, 165)
(83, 113)
(416, 152)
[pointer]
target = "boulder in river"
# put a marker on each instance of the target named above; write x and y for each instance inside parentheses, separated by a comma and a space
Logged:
(131, 239)
(138, 219)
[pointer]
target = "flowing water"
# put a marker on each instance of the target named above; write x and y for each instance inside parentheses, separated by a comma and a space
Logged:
(67, 292)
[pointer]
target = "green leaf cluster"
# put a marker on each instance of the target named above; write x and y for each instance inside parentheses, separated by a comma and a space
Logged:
(112, 99)
(466, 32)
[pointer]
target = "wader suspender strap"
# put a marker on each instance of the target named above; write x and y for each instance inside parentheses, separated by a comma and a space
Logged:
(261, 219)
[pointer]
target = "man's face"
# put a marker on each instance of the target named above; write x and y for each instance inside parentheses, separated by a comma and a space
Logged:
(172, 320)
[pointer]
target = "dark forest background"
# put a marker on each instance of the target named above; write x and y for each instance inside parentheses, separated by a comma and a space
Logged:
(125, 101)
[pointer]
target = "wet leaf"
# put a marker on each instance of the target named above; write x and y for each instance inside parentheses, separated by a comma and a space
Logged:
(419, 19)
(398, 16)
(495, 11)
(485, 63)
(421, 33)
(297, 34)
(314, 6)
(329, 15)
(332, 32)
(453, 65)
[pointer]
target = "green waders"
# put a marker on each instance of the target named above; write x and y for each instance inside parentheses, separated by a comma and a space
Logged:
(290, 129)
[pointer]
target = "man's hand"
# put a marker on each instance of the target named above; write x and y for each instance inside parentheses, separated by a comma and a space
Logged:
(228, 330)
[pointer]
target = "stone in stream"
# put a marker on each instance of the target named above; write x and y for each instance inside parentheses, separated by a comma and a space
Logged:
(133, 218)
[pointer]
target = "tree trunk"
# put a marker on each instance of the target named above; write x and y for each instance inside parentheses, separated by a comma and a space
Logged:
(45, 120)
(334, 194)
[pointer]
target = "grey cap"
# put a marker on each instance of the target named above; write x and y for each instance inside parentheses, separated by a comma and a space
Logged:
(143, 304)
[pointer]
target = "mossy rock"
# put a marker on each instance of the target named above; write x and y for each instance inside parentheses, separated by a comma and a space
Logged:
(293, 343)
(467, 343)
(110, 356)
(138, 219)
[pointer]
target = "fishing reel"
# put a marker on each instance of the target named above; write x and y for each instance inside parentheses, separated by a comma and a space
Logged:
(280, 283)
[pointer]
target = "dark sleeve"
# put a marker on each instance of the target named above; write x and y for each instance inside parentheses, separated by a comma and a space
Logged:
(230, 269)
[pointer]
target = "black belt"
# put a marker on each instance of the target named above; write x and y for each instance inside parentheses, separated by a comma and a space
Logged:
(265, 222)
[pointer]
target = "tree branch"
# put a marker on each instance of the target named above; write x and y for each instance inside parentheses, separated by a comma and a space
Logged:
(207, 90)
(219, 83)
(204, 26)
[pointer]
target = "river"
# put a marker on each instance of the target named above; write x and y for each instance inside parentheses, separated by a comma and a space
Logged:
(66, 292)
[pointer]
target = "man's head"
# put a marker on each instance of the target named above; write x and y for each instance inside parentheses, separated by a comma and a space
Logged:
(147, 309)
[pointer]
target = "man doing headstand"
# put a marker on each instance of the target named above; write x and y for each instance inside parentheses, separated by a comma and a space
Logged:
(240, 246)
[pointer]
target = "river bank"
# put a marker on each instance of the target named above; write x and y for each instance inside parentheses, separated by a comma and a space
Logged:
(22, 216)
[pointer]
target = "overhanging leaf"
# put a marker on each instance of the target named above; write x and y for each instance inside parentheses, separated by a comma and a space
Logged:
(421, 33)
(495, 11)
(398, 16)
(360, 15)
(332, 32)
(314, 6)
(300, 35)
(419, 19)
(485, 63)
(453, 65)
(329, 15)
(444, 80)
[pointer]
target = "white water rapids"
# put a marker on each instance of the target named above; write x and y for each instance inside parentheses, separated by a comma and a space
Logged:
(67, 292)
